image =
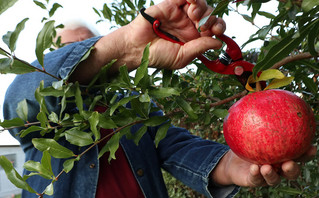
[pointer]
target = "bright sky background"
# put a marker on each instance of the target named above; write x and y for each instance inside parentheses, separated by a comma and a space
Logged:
(82, 9)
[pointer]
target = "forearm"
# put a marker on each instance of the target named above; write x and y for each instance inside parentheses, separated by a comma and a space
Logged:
(116, 45)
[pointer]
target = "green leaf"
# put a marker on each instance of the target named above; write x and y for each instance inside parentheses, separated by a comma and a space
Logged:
(68, 165)
(307, 5)
(22, 110)
(78, 138)
(276, 83)
(78, 97)
(5, 4)
(97, 12)
(312, 39)
(270, 74)
(11, 37)
(3, 52)
(7, 65)
(49, 189)
(256, 6)
(46, 162)
(50, 91)
(30, 129)
(54, 9)
(139, 134)
(145, 98)
(94, 120)
(142, 69)
(167, 76)
(141, 108)
(266, 14)
(123, 101)
(282, 48)
(161, 133)
(13, 176)
(15, 122)
(53, 117)
(221, 113)
(95, 100)
(38, 168)
(107, 13)
(43, 119)
(186, 107)
(55, 149)
(310, 84)
(163, 92)
(248, 18)
(130, 4)
(40, 98)
(58, 84)
(44, 40)
(106, 122)
(112, 145)
(141, 4)
(40, 4)
(155, 121)
(124, 75)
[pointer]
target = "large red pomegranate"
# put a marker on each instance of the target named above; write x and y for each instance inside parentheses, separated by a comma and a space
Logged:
(270, 127)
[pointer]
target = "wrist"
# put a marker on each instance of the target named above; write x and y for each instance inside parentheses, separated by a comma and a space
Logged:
(220, 175)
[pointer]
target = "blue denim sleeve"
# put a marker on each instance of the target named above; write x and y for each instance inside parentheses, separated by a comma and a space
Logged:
(191, 159)
(75, 55)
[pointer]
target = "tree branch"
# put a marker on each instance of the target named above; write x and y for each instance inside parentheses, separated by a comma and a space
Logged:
(226, 100)
(289, 59)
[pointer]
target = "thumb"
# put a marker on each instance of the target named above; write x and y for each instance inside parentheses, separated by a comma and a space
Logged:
(192, 49)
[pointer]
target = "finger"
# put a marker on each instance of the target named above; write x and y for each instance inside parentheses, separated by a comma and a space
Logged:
(270, 175)
(255, 178)
(309, 155)
(198, 10)
(290, 170)
(219, 27)
(192, 49)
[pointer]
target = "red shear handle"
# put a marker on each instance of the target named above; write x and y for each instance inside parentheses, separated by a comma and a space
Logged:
(233, 49)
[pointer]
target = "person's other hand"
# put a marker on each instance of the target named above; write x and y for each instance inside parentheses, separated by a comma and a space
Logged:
(234, 170)
(180, 19)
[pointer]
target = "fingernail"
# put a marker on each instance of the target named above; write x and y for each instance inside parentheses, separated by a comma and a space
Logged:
(196, 13)
(254, 169)
(220, 27)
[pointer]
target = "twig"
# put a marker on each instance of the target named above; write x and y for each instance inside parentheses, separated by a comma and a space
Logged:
(289, 59)
(226, 100)
(33, 67)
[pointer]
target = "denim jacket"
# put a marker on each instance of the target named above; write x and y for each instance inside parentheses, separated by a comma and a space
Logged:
(188, 158)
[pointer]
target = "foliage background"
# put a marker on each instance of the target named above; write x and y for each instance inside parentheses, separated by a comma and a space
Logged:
(292, 32)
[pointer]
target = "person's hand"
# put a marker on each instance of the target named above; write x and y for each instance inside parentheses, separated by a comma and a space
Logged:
(234, 170)
(127, 44)
(180, 19)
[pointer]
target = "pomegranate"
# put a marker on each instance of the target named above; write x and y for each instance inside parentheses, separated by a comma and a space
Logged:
(270, 127)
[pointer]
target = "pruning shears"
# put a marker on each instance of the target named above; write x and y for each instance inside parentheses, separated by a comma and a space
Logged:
(230, 63)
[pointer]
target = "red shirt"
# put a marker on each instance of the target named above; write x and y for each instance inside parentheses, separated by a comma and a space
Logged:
(116, 179)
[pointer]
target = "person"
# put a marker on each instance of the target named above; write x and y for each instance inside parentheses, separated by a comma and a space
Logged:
(74, 31)
(206, 166)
